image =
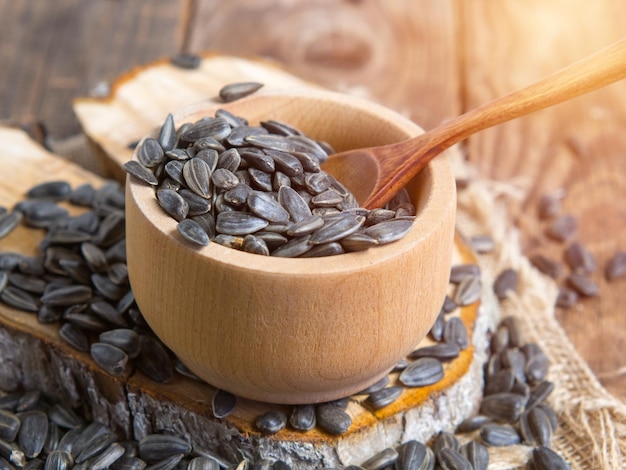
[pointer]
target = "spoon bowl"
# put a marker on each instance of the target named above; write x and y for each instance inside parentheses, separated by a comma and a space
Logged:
(296, 330)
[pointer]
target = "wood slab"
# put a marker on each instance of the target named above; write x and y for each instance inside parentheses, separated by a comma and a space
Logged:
(35, 357)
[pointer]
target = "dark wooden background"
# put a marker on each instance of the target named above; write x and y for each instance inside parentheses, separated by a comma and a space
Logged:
(430, 59)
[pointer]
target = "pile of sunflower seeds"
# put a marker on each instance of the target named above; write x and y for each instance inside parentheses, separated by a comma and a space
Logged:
(80, 283)
(259, 188)
(575, 274)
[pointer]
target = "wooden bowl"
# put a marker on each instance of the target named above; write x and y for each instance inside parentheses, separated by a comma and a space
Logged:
(296, 330)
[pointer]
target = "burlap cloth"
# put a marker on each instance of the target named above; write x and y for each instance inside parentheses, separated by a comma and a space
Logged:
(592, 422)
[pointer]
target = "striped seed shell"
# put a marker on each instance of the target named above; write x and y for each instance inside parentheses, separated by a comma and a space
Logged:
(235, 91)
(129, 463)
(535, 427)
(197, 175)
(455, 332)
(9, 425)
(150, 153)
(217, 128)
(156, 447)
(266, 207)
(139, 171)
(302, 417)
(202, 463)
(19, 298)
(97, 445)
(167, 134)
(59, 460)
(8, 222)
(390, 230)
(505, 282)
(124, 338)
(67, 295)
(154, 360)
(223, 403)
(422, 372)
(380, 460)
(239, 223)
(476, 454)
(332, 419)
(74, 336)
(224, 179)
(33, 432)
(441, 351)
(173, 203)
(468, 290)
(110, 358)
(271, 421)
(506, 407)
(411, 455)
(193, 232)
(451, 459)
(545, 458)
(443, 440)
(384, 397)
(461, 271)
(499, 435)
(336, 227)
(53, 190)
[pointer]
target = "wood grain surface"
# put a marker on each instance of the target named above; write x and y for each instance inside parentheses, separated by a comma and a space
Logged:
(430, 59)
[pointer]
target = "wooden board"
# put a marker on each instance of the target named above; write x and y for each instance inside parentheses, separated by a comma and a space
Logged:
(36, 357)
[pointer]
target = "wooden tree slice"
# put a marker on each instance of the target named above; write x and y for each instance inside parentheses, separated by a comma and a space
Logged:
(35, 357)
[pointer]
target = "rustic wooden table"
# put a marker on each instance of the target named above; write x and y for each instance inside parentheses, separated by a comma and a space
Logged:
(429, 59)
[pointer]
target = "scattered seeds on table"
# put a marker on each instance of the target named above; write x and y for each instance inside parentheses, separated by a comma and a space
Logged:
(563, 228)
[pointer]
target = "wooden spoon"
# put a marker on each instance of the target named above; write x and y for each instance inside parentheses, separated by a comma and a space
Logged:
(379, 172)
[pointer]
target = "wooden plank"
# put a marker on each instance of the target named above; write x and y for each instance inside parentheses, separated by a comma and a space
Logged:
(56, 50)
(578, 146)
(401, 53)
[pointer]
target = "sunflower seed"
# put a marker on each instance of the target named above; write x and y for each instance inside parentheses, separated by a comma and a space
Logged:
(9, 425)
(266, 207)
(271, 421)
(436, 331)
(197, 175)
(169, 463)
(197, 205)
(97, 445)
(545, 458)
(193, 232)
(541, 391)
(235, 91)
(616, 266)
(441, 351)
(499, 435)
(390, 230)
(32, 432)
(443, 440)
(129, 463)
(582, 284)
(462, 271)
(566, 298)
(476, 454)
(451, 459)
(473, 423)
(537, 367)
(216, 128)
(252, 244)
(468, 291)
(28, 283)
(28, 401)
(223, 403)
(53, 190)
(505, 282)
(535, 427)
(579, 259)
(411, 456)
(336, 228)
(550, 204)
(563, 228)
(136, 169)
(482, 243)
(500, 382)
(506, 407)
(150, 153)
(154, 360)
(186, 60)
(455, 332)
(59, 460)
(107, 312)
(302, 417)
(384, 397)
(64, 417)
(19, 299)
(381, 460)
(74, 336)
(173, 203)
(110, 358)
(422, 372)
(286, 163)
(12, 452)
(123, 338)
(8, 222)
(332, 419)
(156, 447)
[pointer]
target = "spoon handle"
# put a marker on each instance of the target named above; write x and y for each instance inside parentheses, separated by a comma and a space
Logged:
(595, 71)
